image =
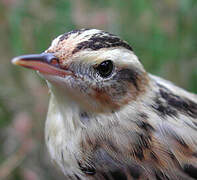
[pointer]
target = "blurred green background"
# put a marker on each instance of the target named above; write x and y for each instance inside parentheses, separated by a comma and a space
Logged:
(162, 33)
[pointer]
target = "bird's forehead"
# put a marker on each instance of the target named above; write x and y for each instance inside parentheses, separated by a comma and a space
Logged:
(65, 44)
(71, 43)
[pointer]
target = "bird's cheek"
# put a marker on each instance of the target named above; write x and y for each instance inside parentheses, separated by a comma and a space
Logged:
(105, 99)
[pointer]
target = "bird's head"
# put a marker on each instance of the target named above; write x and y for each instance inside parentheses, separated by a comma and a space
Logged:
(93, 68)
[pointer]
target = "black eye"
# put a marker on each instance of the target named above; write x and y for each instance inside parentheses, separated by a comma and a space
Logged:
(105, 68)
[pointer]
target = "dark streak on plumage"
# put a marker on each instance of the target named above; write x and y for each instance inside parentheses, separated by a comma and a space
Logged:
(111, 168)
(141, 144)
(138, 153)
(168, 131)
(182, 104)
(145, 125)
(101, 40)
(135, 171)
(145, 140)
(172, 156)
(143, 115)
(162, 109)
(105, 176)
(180, 140)
(128, 75)
(154, 157)
(84, 117)
(194, 154)
(69, 177)
(76, 31)
(174, 159)
(87, 170)
(118, 175)
(195, 123)
(77, 177)
(103, 158)
(62, 154)
(112, 146)
(161, 176)
(174, 104)
(190, 170)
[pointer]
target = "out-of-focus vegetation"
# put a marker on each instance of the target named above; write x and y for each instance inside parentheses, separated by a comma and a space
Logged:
(162, 33)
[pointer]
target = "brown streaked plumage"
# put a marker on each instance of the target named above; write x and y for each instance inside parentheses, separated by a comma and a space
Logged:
(108, 119)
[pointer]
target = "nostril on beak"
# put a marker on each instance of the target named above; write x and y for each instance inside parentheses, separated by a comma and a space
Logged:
(50, 58)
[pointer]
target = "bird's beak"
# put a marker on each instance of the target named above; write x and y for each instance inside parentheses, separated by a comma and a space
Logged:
(45, 63)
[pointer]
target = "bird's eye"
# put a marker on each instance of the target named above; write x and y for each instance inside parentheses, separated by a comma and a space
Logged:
(105, 68)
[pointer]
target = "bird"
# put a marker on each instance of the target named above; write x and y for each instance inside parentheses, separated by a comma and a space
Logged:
(108, 118)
